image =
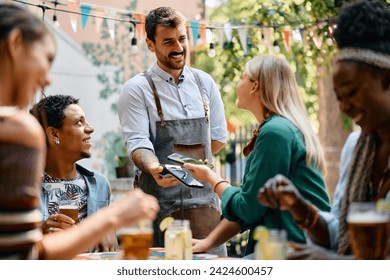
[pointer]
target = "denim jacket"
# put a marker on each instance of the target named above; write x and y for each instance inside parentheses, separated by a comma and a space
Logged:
(99, 192)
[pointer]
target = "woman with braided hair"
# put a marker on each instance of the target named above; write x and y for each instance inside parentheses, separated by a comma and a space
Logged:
(361, 77)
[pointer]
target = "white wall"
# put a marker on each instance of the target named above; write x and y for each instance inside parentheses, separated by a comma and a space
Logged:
(73, 74)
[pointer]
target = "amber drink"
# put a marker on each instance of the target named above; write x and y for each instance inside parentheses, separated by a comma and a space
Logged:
(136, 241)
(369, 232)
(70, 209)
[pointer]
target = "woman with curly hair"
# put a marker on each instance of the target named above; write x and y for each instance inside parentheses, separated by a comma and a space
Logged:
(361, 77)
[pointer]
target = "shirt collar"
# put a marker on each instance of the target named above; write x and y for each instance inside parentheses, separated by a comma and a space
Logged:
(166, 76)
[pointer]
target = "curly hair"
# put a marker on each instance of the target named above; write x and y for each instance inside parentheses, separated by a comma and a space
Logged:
(54, 107)
(364, 24)
(162, 16)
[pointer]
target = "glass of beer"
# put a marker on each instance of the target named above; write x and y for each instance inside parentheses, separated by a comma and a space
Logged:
(69, 208)
(369, 231)
(136, 240)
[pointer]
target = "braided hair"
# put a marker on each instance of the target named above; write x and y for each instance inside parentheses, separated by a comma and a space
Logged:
(363, 36)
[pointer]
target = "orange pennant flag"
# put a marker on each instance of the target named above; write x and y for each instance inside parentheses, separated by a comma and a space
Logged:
(286, 34)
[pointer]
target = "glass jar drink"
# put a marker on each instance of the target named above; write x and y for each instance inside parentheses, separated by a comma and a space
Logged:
(178, 241)
(273, 246)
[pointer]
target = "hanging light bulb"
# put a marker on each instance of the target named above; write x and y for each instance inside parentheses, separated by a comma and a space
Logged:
(134, 48)
(276, 47)
(212, 52)
(56, 23)
(131, 32)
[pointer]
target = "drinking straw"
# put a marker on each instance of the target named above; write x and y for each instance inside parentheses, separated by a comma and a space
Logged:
(181, 203)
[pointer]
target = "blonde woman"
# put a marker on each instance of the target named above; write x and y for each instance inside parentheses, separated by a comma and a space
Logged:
(284, 143)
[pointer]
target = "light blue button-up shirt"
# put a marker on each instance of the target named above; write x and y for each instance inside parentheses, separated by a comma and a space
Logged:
(332, 218)
(137, 108)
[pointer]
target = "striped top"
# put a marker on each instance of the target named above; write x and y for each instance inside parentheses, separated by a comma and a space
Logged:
(20, 217)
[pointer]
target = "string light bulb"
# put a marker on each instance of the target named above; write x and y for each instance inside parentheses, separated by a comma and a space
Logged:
(134, 47)
(56, 23)
(276, 47)
(212, 52)
(131, 31)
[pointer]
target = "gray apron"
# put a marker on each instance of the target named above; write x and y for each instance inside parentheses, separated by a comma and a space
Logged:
(190, 137)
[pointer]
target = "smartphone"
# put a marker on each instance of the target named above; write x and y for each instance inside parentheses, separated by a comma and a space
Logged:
(183, 175)
(181, 159)
(165, 173)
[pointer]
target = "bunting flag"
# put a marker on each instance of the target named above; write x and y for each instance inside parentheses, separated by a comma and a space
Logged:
(268, 42)
(85, 12)
(243, 36)
(221, 36)
(227, 29)
(111, 23)
(98, 20)
(202, 33)
(73, 6)
(297, 36)
(286, 34)
(195, 30)
(317, 39)
(304, 38)
(140, 28)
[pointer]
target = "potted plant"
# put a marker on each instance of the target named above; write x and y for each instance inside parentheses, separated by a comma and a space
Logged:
(125, 167)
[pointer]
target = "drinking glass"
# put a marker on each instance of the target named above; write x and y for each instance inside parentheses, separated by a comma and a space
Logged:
(136, 240)
(369, 231)
(69, 208)
(273, 246)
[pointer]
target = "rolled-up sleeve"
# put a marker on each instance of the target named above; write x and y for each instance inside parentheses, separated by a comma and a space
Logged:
(133, 118)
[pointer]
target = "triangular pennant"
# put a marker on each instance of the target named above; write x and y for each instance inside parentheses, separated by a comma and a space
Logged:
(195, 30)
(221, 36)
(202, 33)
(98, 20)
(297, 36)
(85, 12)
(268, 42)
(317, 39)
(286, 34)
(227, 29)
(304, 37)
(110, 13)
(140, 28)
(73, 17)
(243, 36)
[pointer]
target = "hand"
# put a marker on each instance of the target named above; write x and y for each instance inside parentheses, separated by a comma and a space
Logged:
(109, 243)
(312, 252)
(279, 192)
(136, 205)
(57, 222)
(165, 182)
(199, 246)
(202, 172)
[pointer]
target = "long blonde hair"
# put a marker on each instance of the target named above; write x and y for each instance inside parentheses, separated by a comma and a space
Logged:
(280, 94)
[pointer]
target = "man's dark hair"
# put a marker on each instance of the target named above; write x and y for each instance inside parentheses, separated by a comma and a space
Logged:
(365, 25)
(162, 16)
(49, 111)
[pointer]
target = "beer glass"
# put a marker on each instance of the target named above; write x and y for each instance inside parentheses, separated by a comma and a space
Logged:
(369, 231)
(273, 246)
(69, 208)
(136, 240)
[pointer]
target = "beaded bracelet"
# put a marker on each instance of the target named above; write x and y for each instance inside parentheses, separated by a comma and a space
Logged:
(311, 218)
(220, 182)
